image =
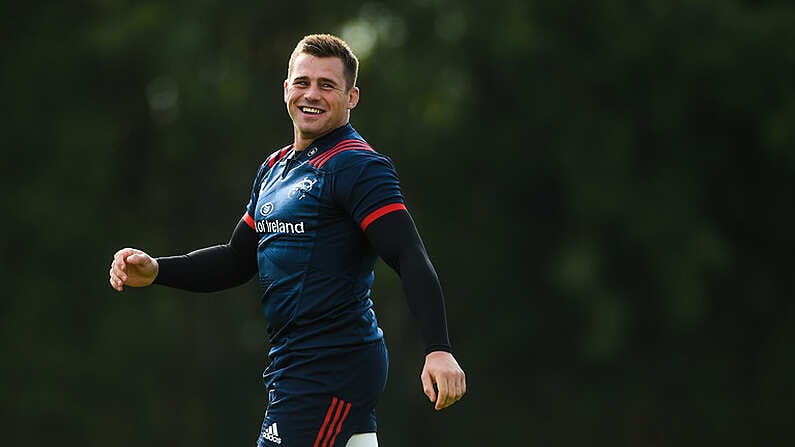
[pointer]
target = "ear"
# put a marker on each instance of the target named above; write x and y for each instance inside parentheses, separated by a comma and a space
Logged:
(353, 97)
(285, 90)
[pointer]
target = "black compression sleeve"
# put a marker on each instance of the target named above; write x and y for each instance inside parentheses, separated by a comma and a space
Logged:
(213, 268)
(395, 238)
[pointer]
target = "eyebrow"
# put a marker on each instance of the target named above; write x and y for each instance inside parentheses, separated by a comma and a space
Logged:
(306, 78)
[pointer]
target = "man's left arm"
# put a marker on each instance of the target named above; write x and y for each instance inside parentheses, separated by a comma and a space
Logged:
(396, 240)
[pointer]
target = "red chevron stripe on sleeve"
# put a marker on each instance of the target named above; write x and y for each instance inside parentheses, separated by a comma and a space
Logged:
(386, 209)
(249, 220)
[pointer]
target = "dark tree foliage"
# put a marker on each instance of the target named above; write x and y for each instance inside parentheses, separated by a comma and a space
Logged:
(605, 188)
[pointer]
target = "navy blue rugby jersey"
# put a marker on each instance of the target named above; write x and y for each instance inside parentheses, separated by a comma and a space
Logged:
(310, 209)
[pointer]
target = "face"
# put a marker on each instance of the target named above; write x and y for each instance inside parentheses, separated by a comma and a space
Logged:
(316, 96)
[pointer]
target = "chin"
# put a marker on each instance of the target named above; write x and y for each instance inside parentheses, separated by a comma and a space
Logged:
(311, 132)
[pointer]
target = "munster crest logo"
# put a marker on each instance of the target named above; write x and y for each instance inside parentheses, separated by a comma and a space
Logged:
(301, 188)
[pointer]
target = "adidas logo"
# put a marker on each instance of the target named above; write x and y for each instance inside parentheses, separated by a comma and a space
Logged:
(272, 434)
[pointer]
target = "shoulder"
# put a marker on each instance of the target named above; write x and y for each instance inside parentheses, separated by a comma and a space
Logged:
(272, 159)
(346, 154)
(275, 156)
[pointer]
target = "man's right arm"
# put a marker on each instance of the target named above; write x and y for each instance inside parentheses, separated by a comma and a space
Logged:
(206, 270)
(213, 268)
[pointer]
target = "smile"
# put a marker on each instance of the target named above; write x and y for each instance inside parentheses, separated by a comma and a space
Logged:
(311, 110)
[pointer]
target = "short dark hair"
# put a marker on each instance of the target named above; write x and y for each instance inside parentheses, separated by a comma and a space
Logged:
(327, 45)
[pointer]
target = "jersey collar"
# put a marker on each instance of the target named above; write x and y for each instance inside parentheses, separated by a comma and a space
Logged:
(327, 141)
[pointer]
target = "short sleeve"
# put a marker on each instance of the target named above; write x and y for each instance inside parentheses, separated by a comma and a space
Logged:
(369, 190)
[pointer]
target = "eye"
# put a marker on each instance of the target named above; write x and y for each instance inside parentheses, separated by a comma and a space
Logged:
(301, 82)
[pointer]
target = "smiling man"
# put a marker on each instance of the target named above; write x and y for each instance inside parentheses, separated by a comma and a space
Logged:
(318, 95)
(321, 211)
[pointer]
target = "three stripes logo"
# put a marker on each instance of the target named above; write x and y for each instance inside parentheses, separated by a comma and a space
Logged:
(335, 416)
(272, 434)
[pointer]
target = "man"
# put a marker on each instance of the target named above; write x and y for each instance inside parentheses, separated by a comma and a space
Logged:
(321, 210)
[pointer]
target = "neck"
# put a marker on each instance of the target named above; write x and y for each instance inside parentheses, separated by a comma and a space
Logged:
(301, 142)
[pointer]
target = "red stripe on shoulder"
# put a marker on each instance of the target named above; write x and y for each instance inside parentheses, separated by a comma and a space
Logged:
(249, 220)
(278, 155)
(384, 210)
(344, 145)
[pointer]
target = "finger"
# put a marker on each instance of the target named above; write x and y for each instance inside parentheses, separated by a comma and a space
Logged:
(120, 255)
(427, 386)
(118, 264)
(114, 276)
(443, 399)
(137, 259)
(118, 273)
(119, 268)
(116, 284)
(455, 388)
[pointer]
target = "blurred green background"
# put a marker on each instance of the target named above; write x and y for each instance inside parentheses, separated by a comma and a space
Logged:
(605, 188)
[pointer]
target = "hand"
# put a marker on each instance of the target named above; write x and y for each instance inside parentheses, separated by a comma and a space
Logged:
(133, 268)
(441, 369)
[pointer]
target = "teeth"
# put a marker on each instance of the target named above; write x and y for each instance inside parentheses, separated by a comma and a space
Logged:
(311, 110)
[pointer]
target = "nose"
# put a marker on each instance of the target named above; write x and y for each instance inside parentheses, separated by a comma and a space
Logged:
(312, 93)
